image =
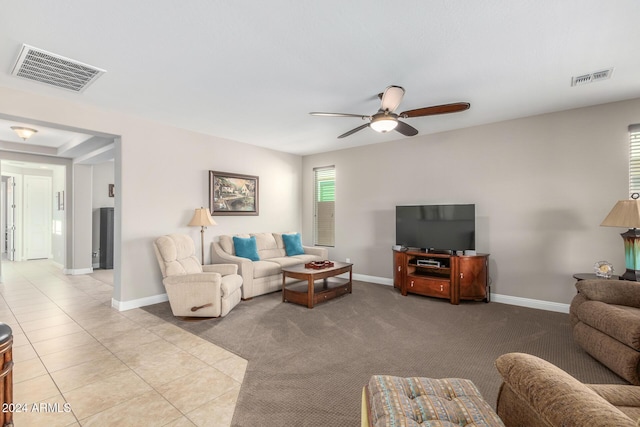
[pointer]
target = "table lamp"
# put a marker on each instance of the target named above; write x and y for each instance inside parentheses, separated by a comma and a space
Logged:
(202, 218)
(626, 213)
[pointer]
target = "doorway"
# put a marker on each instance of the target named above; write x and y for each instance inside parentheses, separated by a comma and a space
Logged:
(31, 227)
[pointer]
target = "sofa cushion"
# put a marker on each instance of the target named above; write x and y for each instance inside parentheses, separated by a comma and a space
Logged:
(265, 268)
(246, 247)
(293, 244)
(285, 261)
(267, 246)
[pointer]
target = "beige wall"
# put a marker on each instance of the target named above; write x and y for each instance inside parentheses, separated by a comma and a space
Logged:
(541, 186)
(161, 176)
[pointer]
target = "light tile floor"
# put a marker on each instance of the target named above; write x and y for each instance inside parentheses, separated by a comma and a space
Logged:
(103, 367)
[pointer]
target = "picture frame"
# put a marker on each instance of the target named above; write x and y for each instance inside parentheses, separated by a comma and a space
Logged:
(112, 190)
(233, 193)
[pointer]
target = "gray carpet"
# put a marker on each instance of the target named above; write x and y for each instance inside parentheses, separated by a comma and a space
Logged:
(307, 367)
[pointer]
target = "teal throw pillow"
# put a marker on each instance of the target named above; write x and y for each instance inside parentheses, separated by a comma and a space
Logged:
(246, 247)
(292, 244)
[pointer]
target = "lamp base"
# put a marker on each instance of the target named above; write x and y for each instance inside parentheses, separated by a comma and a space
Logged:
(632, 254)
(633, 275)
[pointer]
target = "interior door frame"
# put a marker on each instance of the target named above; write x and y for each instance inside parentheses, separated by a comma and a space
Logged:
(9, 220)
(18, 231)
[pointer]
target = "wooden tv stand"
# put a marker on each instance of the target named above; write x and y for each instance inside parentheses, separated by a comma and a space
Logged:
(455, 278)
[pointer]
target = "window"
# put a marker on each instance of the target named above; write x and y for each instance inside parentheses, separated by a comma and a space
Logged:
(324, 206)
(634, 159)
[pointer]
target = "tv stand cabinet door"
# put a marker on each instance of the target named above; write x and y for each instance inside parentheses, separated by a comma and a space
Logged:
(473, 277)
(399, 267)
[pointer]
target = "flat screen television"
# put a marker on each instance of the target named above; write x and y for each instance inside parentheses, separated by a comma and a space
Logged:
(436, 227)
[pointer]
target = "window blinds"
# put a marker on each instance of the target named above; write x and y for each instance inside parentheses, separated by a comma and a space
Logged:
(324, 206)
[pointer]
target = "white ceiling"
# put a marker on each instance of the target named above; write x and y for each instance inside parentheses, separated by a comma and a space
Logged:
(83, 147)
(251, 71)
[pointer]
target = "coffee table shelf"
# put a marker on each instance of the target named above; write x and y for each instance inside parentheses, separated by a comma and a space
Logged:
(315, 286)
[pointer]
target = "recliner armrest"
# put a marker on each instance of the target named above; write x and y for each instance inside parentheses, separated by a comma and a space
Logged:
(553, 395)
(193, 278)
(618, 292)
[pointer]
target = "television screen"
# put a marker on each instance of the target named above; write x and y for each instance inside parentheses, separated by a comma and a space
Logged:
(436, 227)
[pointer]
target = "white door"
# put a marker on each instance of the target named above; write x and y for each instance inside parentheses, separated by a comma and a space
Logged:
(11, 219)
(37, 216)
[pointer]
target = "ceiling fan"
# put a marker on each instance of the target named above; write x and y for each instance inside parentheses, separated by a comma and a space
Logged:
(386, 119)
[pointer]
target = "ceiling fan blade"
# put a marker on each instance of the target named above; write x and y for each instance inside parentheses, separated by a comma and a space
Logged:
(352, 131)
(391, 98)
(339, 115)
(406, 129)
(436, 109)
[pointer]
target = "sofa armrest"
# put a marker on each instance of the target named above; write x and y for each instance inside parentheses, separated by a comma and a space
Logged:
(222, 269)
(618, 292)
(323, 253)
(245, 267)
(544, 395)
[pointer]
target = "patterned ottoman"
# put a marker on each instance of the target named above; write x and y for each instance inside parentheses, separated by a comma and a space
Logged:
(397, 402)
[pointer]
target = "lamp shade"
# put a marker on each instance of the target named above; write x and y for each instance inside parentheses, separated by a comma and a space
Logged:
(202, 218)
(625, 213)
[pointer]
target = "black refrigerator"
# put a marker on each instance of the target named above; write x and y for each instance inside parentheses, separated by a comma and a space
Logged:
(106, 238)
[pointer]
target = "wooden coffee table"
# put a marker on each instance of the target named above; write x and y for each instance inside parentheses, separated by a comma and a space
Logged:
(315, 285)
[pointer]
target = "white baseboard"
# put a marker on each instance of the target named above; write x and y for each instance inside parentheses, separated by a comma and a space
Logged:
(137, 303)
(503, 299)
(531, 303)
(77, 271)
(373, 279)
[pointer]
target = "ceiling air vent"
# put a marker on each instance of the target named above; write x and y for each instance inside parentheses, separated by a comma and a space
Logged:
(591, 78)
(55, 70)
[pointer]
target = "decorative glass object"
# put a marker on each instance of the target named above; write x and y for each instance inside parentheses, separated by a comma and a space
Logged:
(603, 269)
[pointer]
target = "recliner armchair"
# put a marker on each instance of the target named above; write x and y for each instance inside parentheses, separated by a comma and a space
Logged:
(195, 290)
(605, 315)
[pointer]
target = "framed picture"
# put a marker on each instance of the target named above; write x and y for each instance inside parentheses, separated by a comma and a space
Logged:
(112, 190)
(233, 194)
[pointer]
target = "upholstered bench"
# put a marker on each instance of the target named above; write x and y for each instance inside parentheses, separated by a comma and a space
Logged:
(394, 401)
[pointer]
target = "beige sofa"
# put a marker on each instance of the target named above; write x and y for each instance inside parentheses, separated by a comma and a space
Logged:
(265, 275)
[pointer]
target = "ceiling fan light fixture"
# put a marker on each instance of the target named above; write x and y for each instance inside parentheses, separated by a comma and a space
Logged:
(24, 133)
(384, 123)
